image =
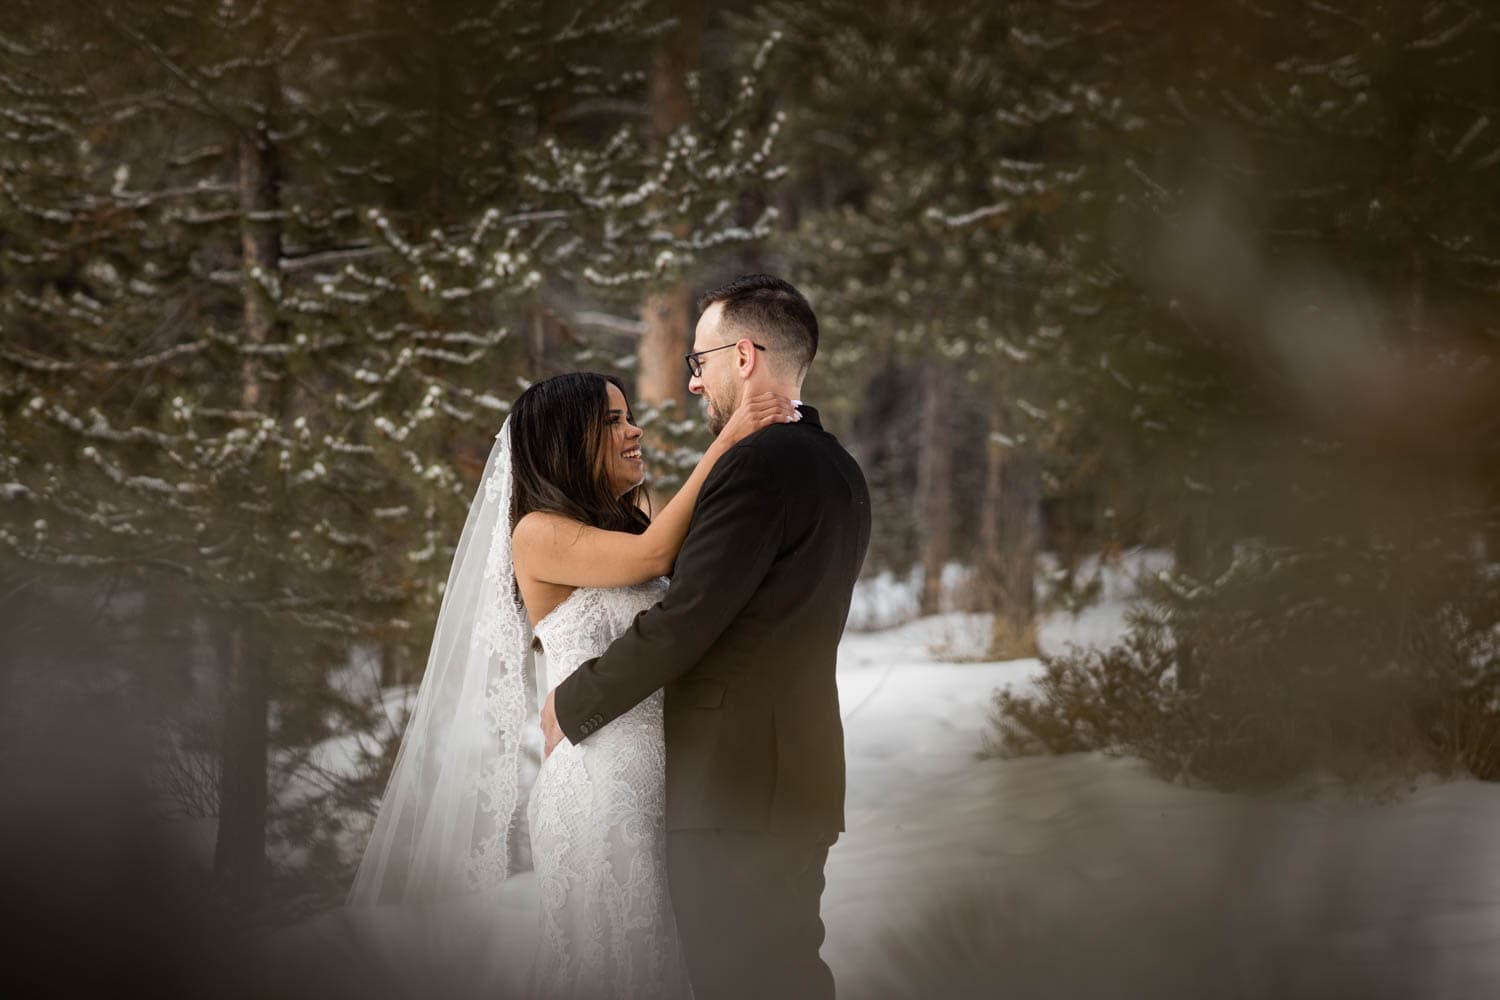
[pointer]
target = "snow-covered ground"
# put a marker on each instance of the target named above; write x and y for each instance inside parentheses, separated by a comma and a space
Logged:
(1085, 876)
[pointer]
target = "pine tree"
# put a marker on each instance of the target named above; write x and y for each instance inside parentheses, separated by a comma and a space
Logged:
(940, 138)
(1285, 352)
(259, 280)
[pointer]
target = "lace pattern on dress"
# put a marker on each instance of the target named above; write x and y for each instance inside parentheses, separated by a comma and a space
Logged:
(505, 635)
(598, 827)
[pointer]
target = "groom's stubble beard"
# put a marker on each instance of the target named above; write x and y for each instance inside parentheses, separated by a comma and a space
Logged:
(718, 409)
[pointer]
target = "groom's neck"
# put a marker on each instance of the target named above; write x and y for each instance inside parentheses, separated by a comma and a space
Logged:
(786, 387)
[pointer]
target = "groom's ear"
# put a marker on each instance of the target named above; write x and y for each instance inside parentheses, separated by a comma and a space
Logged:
(748, 357)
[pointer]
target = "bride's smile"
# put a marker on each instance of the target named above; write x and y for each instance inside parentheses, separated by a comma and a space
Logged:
(624, 467)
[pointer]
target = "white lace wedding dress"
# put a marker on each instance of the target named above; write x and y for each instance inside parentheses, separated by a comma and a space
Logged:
(597, 822)
(467, 886)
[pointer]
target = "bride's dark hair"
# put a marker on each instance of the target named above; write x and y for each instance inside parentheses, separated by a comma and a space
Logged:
(558, 429)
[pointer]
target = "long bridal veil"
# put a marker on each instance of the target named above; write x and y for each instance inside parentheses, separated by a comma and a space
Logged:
(451, 825)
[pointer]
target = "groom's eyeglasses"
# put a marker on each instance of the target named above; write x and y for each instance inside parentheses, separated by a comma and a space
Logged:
(695, 360)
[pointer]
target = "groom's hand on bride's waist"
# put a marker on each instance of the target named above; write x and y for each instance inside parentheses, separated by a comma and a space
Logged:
(551, 732)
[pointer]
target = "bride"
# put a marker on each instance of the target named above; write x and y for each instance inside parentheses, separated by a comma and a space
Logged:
(556, 559)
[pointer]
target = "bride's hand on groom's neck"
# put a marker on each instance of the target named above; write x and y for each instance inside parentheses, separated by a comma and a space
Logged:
(759, 411)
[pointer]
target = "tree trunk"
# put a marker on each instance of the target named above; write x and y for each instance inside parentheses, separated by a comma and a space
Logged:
(1490, 524)
(260, 247)
(15, 612)
(934, 486)
(239, 854)
(667, 317)
(165, 647)
(667, 311)
(240, 849)
(536, 345)
(391, 673)
(1010, 529)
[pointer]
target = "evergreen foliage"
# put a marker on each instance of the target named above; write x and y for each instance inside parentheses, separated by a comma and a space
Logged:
(269, 276)
(1214, 279)
(1295, 392)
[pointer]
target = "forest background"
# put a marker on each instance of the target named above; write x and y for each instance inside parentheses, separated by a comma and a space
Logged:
(1219, 280)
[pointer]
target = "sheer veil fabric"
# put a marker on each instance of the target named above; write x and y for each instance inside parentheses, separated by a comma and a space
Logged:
(451, 826)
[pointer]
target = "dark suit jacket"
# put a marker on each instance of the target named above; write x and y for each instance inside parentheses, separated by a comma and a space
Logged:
(746, 639)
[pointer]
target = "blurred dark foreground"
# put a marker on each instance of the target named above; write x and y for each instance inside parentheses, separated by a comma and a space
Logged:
(1091, 878)
(98, 900)
(106, 892)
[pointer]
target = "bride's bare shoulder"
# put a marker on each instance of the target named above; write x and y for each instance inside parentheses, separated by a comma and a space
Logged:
(541, 527)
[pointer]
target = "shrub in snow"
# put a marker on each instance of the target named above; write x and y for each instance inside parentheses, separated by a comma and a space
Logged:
(1357, 661)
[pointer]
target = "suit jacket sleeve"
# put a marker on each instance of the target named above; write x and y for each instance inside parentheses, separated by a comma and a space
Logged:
(734, 537)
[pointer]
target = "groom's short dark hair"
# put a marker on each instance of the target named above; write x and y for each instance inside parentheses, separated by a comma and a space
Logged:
(770, 308)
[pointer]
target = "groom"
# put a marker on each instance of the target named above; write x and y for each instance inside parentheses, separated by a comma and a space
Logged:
(745, 643)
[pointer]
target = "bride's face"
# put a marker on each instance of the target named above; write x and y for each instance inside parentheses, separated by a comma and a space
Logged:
(621, 462)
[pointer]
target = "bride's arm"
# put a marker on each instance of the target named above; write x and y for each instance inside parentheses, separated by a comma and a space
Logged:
(551, 548)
